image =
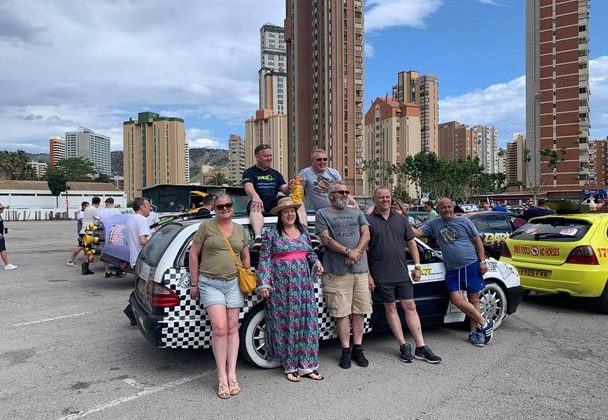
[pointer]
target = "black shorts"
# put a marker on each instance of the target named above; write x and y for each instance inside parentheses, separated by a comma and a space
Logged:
(268, 205)
(393, 292)
(80, 237)
(2, 245)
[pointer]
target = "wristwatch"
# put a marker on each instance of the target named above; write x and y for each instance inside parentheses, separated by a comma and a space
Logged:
(482, 262)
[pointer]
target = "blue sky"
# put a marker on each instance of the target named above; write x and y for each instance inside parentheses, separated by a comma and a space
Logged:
(95, 64)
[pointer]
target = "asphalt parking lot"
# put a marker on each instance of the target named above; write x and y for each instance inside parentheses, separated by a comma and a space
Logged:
(68, 352)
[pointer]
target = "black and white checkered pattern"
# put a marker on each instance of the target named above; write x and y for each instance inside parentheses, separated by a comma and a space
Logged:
(187, 325)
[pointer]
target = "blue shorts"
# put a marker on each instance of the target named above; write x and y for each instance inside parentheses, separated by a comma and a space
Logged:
(465, 278)
(220, 292)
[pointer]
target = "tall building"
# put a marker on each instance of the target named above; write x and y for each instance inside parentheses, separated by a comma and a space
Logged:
(236, 159)
(487, 147)
(273, 69)
(56, 149)
(502, 161)
(155, 152)
(39, 168)
(325, 85)
(86, 144)
(392, 133)
(598, 159)
(424, 92)
(514, 163)
(456, 141)
(557, 89)
(267, 128)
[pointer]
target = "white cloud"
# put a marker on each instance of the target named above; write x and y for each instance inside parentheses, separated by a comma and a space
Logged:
(491, 3)
(382, 14)
(369, 50)
(503, 105)
(197, 137)
(96, 64)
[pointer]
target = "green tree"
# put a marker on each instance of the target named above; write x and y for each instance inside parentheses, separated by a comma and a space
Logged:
(57, 182)
(370, 167)
(103, 178)
(219, 179)
(15, 165)
(77, 169)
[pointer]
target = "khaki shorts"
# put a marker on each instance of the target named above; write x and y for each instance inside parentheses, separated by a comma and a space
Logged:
(347, 294)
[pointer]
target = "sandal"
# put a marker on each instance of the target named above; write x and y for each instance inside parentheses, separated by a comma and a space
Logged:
(223, 390)
(235, 389)
(293, 376)
(314, 375)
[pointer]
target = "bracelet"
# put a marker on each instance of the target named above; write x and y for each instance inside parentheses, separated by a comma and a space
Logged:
(417, 266)
(482, 262)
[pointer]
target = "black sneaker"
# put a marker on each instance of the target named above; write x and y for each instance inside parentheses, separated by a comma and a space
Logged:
(406, 353)
(129, 313)
(359, 357)
(425, 353)
(108, 275)
(257, 243)
(345, 359)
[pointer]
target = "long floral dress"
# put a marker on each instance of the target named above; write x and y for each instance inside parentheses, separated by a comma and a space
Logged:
(292, 331)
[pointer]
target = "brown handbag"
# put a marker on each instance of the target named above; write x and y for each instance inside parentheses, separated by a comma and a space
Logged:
(247, 279)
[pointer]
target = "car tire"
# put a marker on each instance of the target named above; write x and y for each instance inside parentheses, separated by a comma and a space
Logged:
(602, 300)
(493, 303)
(252, 339)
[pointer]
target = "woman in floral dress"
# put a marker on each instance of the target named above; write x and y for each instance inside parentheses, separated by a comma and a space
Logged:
(285, 280)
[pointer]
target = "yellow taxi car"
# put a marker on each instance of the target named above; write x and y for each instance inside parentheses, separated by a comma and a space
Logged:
(562, 254)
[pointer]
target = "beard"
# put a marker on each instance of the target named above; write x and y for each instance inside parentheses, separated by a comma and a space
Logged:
(340, 203)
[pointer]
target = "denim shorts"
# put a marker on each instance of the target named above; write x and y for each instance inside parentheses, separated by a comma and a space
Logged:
(220, 292)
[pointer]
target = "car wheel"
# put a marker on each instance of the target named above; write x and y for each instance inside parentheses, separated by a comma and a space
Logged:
(252, 347)
(493, 303)
(603, 300)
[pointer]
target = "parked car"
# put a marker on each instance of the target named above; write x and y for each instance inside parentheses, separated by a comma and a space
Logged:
(168, 317)
(563, 254)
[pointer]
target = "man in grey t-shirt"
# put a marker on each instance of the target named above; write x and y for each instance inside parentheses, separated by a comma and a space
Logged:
(345, 233)
(465, 265)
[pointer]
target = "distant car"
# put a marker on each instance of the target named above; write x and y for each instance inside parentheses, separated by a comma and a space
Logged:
(168, 317)
(563, 254)
(417, 218)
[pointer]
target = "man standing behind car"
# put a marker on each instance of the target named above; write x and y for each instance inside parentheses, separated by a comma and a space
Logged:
(345, 233)
(138, 234)
(465, 265)
(539, 210)
(388, 273)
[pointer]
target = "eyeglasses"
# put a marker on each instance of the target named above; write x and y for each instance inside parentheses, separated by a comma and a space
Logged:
(321, 159)
(222, 207)
(342, 192)
(1, 208)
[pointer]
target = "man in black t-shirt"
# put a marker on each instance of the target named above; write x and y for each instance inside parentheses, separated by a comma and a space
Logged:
(262, 184)
(540, 210)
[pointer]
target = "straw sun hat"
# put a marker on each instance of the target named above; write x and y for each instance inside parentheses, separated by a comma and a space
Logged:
(285, 203)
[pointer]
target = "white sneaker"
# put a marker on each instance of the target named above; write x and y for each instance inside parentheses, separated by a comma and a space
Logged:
(10, 267)
(71, 264)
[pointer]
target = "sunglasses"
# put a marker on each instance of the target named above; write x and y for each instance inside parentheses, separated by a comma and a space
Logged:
(321, 159)
(342, 192)
(222, 207)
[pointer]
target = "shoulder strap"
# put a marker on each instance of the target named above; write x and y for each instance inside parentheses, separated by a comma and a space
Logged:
(236, 260)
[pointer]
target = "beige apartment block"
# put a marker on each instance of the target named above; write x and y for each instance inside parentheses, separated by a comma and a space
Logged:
(271, 129)
(515, 168)
(155, 152)
(422, 90)
(325, 85)
(557, 89)
(236, 159)
(392, 133)
(457, 141)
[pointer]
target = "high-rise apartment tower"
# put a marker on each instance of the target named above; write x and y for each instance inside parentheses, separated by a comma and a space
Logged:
(86, 144)
(424, 92)
(487, 147)
(273, 69)
(155, 152)
(325, 85)
(456, 141)
(56, 149)
(557, 89)
(236, 159)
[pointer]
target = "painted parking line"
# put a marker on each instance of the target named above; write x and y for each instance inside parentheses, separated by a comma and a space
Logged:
(123, 400)
(41, 321)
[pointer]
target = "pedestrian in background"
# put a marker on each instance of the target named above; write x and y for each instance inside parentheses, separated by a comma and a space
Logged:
(428, 207)
(104, 214)
(90, 217)
(80, 247)
(3, 254)
(213, 277)
(539, 210)
(286, 280)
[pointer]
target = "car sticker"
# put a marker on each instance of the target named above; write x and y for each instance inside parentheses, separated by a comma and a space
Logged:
(536, 251)
(532, 229)
(492, 238)
(570, 231)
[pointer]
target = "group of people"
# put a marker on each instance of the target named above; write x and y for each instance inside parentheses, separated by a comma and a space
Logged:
(364, 255)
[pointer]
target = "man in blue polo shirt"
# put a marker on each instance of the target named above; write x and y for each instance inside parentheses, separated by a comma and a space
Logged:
(388, 273)
(465, 265)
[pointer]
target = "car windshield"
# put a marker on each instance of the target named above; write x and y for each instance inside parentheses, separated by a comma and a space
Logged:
(158, 243)
(553, 229)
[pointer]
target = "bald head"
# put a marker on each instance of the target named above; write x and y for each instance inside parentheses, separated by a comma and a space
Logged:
(445, 208)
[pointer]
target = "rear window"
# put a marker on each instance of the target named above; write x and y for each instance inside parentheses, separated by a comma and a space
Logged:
(553, 230)
(159, 242)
